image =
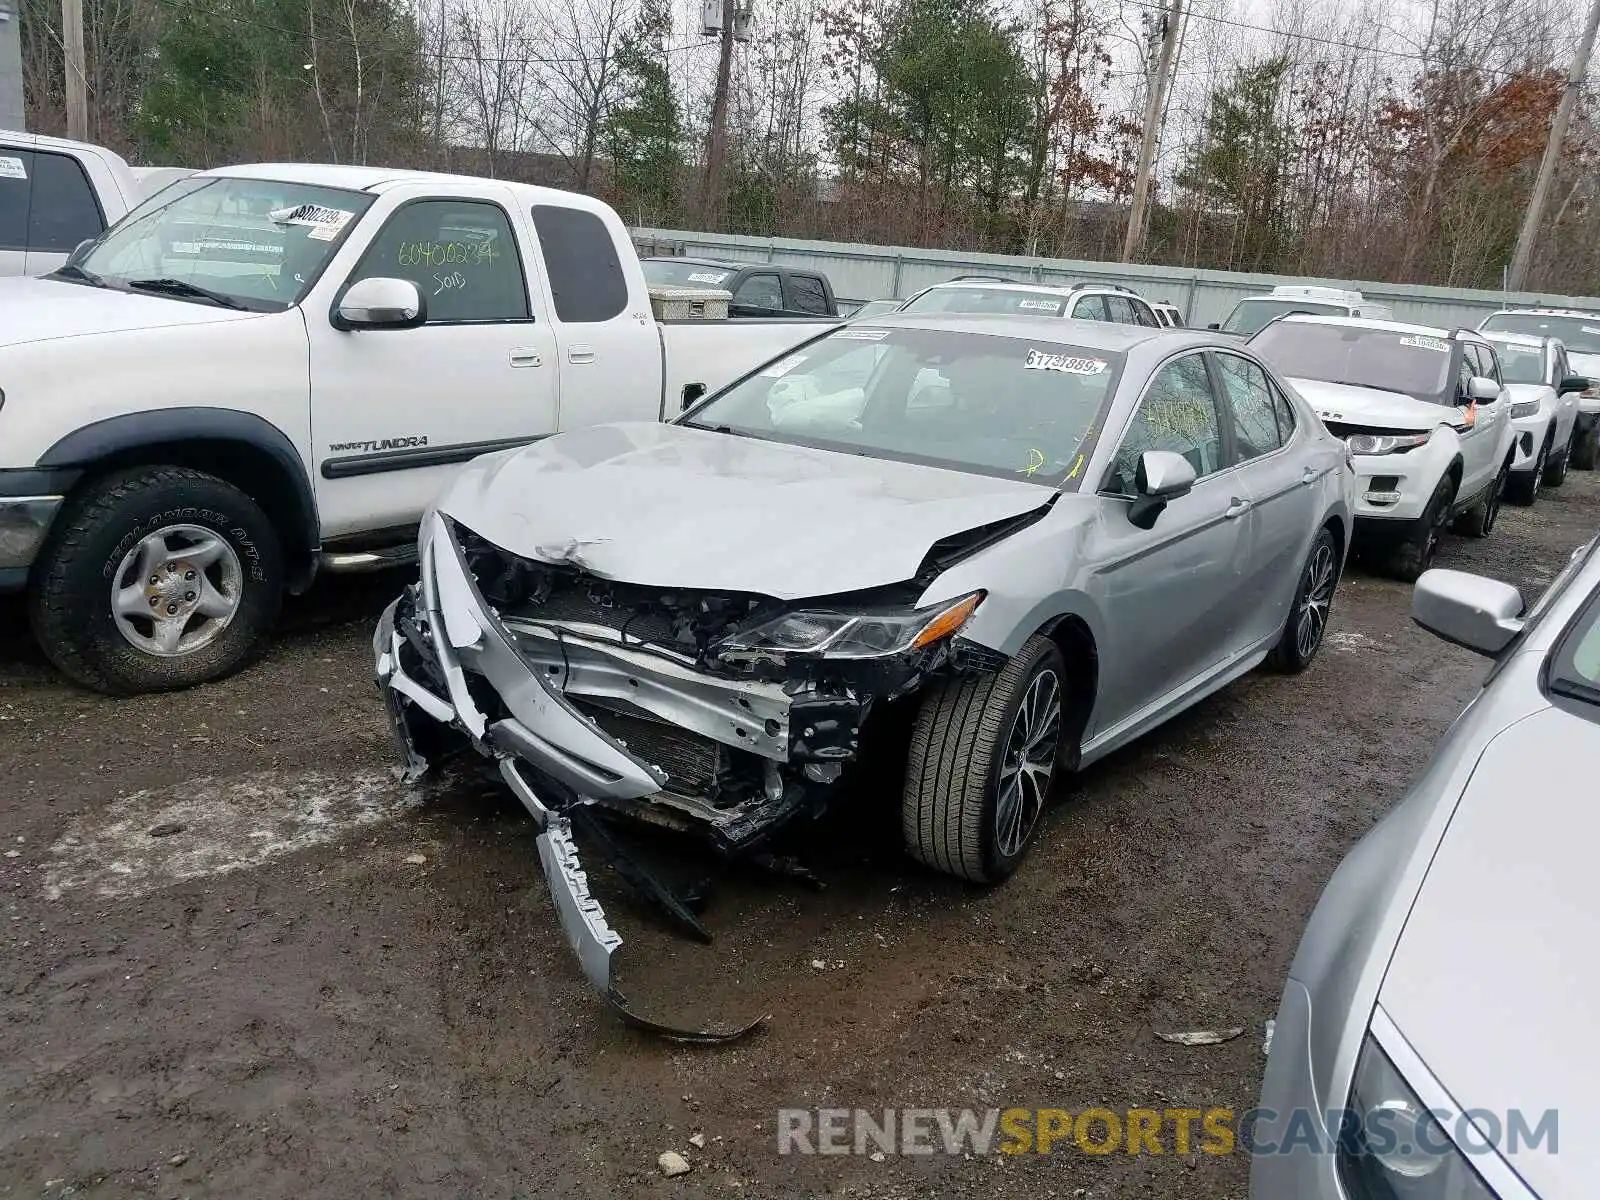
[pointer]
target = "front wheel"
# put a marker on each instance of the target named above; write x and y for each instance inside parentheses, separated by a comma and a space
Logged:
(157, 578)
(1414, 554)
(1522, 487)
(984, 751)
(1313, 602)
(1478, 521)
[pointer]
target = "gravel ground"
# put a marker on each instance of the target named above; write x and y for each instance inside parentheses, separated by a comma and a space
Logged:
(239, 960)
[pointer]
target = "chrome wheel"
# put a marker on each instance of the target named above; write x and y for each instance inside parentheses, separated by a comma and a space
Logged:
(1028, 763)
(177, 590)
(1312, 619)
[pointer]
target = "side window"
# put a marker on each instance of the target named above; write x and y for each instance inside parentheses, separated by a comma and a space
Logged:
(580, 257)
(1465, 372)
(1563, 367)
(1146, 315)
(1178, 413)
(64, 210)
(1285, 411)
(1120, 310)
(16, 196)
(1255, 420)
(1491, 363)
(807, 295)
(461, 253)
(760, 291)
(1090, 308)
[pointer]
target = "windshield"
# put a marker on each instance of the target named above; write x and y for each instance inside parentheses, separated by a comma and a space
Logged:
(985, 403)
(1580, 335)
(875, 308)
(1410, 363)
(1575, 665)
(668, 272)
(258, 243)
(1248, 316)
(1519, 363)
(1010, 301)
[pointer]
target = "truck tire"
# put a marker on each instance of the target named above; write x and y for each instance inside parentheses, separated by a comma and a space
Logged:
(1585, 448)
(1414, 554)
(968, 809)
(156, 578)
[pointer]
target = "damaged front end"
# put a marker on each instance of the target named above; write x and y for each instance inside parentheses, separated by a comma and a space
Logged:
(724, 715)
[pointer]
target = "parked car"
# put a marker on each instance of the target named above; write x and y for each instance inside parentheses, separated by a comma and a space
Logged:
(1030, 541)
(758, 289)
(1432, 1005)
(1579, 333)
(1544, 406)
(1253, 312)
(1084, 301)
(1168, 314)
(56, 193)
(875, 308)
(1425, 414)
(269, 370)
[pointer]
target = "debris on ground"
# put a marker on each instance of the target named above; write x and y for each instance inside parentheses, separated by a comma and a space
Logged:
(1266, 1043)
(167, 829)
(178, 1159)
(672, 1163)
(416, 860)
(698, 1141)
(1201, 1037)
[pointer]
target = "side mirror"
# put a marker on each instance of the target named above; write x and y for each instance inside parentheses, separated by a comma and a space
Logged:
(1482, 390)
(1161, 477)
(1479, 614)
(380, 303)
(691, 393)
(1575, 383)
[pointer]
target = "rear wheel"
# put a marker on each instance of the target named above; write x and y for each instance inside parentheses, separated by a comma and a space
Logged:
(984, 752)
(1522, 487)
(1313, 601)
(1411, 557)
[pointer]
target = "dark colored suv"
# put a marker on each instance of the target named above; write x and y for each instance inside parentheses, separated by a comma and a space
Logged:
(759, 289)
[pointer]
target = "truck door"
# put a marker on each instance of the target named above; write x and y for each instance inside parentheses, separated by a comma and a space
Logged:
(395, 412)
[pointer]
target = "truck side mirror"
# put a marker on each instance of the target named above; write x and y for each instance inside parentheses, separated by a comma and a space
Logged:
(691, 393)
(381, 303)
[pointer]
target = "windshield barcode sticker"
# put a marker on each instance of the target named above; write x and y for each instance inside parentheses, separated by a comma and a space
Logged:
(12, 168)
(1064, 362)
(1053, 306)
(862, 335)
(1425, 343)
(708, 276)
(783, 366)
(325, 223)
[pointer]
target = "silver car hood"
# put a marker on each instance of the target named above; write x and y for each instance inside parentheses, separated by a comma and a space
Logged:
(780, 520)
(1351, 405)
(1494, 979)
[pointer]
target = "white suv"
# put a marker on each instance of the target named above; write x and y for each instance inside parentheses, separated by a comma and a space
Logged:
(1084, 302)
(1425, 414)
(1579, 332)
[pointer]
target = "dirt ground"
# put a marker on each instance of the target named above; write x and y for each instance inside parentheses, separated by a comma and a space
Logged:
(227, 972)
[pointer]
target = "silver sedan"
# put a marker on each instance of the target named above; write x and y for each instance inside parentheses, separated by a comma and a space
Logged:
(1433, 1039)
(1020, 542)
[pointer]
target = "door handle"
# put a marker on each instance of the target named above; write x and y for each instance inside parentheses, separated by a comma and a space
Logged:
(580, 354)
(1236, 509)
(1309, 475)
(526, 358)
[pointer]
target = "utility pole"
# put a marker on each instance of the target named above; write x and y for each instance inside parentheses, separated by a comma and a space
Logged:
(77, 94)
(717, 140)
(1523, 258)
(1154, 107)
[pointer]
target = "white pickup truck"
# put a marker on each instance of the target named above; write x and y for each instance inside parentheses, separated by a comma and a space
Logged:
(265, 371)
(55, 193)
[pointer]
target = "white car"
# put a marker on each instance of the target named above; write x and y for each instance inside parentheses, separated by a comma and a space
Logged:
(1579, 334)
(1425, 414)
(1544, 410)
(1083, 301)
(1252, 313)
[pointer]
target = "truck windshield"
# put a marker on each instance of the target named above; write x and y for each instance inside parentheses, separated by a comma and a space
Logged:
(1413, 364)
(1011, 301)
(1580, 335)
(1248, 316)
(256, 244)
(1519, 363)
(984, 403)
(668, 272)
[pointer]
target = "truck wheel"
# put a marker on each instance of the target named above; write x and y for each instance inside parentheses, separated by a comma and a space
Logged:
(1585, 448)
(156, 578)
(984, 750)
(1523, 486)
(1411, 557)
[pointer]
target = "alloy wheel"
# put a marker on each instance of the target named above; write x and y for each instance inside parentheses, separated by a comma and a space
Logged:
(1312, 619)
(1028, 763)
(176, 590)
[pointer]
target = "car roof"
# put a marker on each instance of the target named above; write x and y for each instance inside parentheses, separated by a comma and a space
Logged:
(1090, 335)
(377, 179)
(1588, 313)
(1515, 339)
(1376, 323)
(1052, 289)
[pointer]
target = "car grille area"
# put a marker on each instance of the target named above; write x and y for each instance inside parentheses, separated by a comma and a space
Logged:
(694, 764)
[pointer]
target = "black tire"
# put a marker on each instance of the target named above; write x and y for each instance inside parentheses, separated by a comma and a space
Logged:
(1522, 487)
(1585, 448)
(950, 807)
(71, 600)
(1313, 602)
(1478, 521)
(1415, 554)
(1555, 473)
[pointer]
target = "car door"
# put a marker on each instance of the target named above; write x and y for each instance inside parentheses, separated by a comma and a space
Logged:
(758, 295)
(394, 412)
(1476, 426)
(1566, 402)
(1171, 592)
(1279, 483)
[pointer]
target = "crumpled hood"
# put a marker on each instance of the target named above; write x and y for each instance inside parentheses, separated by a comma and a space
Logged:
(670, 506)
(1350, 405)
(36, 310)
(1494, 979)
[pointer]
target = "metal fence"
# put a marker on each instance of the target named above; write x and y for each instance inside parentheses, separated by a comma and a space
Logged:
(860, 272)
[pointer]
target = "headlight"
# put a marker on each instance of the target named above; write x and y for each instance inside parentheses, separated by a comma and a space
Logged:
(853, 634)
(1386, 443)
(1399, 1151)
(1524, 408)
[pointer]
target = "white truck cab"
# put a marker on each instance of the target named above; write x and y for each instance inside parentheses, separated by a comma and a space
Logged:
(55, 193)
(1251, 313)
(269, 369)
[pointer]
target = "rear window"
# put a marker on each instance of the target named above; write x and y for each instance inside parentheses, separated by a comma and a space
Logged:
(1014, 302)
(809, 296)
(1248, 316)
(674, 272)
(580, 256)
(1580, 335)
